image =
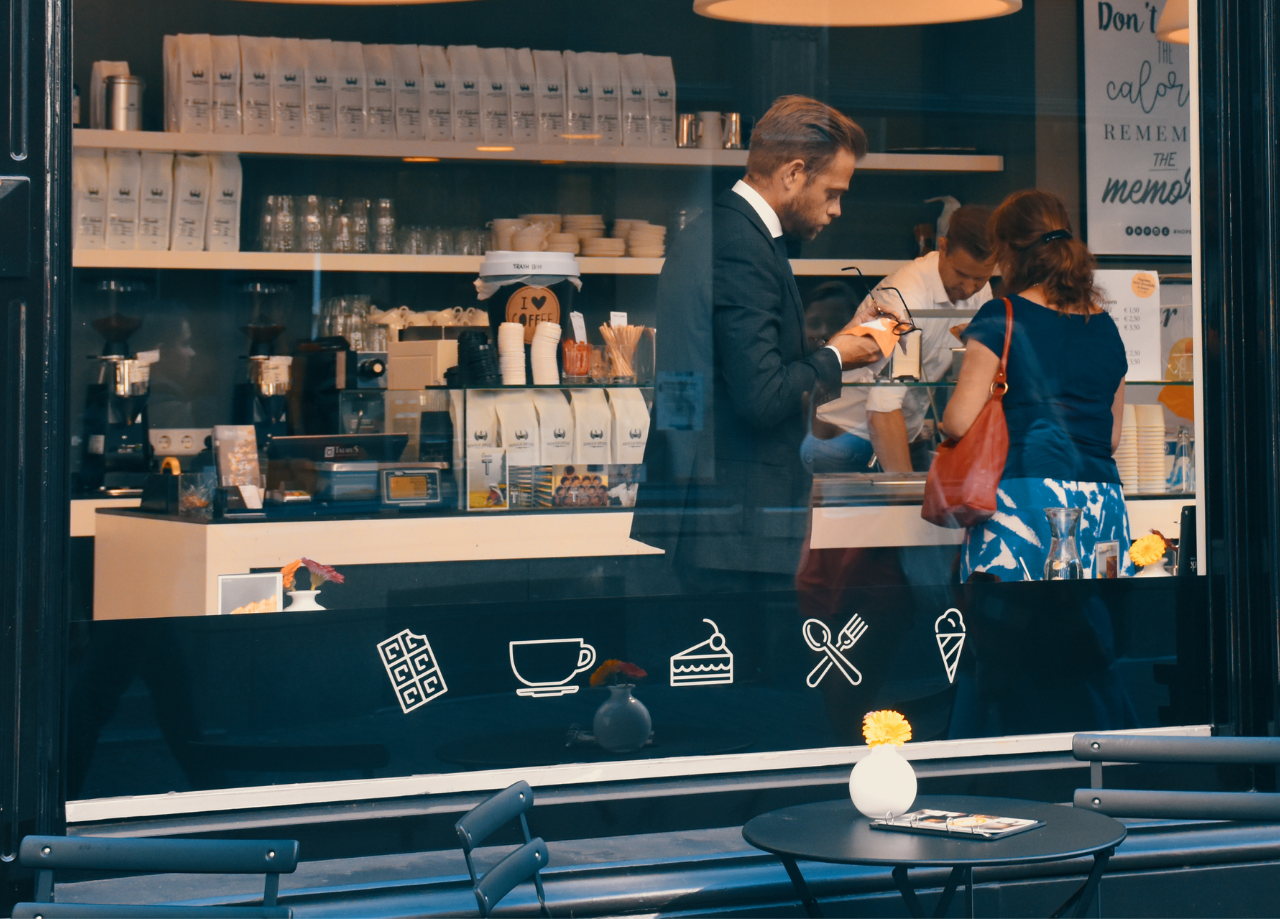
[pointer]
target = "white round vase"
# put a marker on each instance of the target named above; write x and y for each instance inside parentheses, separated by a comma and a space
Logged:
(302, 600)
(622, 724)
(1159, 569)
(882, 783)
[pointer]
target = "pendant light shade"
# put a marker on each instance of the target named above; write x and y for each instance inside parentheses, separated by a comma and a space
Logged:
(1175, 23)
(854, 12)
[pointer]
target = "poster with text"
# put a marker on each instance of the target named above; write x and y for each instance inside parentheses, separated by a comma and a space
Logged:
(1137, 132)
(1133, 300)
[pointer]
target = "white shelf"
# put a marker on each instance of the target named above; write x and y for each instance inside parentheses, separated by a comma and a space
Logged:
(426, 264)
(270, 145)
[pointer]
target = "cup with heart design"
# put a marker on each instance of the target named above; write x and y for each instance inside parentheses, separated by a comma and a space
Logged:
(546, 665)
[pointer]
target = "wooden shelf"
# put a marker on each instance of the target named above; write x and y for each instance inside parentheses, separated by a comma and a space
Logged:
(270, 145)
(425, 264)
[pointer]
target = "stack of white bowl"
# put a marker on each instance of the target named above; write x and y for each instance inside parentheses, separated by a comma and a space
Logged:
(504, 230)
(1150, 429)
(563, 242)
(532, 238)
(646, 240)
(1126, 454)
(511, 353)
(546, 336)
(554, 222)
(583, 226)
(604, 247)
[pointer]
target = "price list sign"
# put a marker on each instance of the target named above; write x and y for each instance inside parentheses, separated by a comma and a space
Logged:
(1133, 300)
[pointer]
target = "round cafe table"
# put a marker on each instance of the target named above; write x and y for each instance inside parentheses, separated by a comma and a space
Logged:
(833, 831)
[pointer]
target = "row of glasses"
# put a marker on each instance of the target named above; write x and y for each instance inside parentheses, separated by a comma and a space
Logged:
(442, 241)
(348, 317)
(314, 223)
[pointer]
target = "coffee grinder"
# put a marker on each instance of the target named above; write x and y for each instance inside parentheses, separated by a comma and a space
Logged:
(263, 400)
(117, 446)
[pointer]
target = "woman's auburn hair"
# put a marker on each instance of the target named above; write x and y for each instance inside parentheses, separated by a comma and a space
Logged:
(1064, 267)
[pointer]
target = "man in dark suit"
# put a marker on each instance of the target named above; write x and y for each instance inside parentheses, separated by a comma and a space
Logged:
(736, 373)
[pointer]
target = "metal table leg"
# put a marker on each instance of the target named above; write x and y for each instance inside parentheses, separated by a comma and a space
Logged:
(1084, 896)
(957, 876)
(810, 905)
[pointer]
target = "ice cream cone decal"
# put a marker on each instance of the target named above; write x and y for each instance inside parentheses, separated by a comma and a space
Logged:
(949, 630)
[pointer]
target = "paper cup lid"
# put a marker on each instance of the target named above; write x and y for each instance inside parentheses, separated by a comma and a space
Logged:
(520, 264)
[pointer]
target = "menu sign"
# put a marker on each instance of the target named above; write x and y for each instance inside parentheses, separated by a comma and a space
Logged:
(1137, 132)
(1133, 300)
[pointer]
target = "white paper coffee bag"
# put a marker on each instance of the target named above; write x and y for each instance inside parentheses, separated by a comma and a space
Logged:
(465, 77)
(155, 205)
(606, 86)
(661, 93)
(288, 79)
(124, 171)
(225, 54)
(482, 430)
(518, 429)
(635, 103)
(318, 95)
(89, 191)
(195, 74)
(630, 430)
(548, 67)
(379, 92)
(580, 120)
(592, 424)
(348, 79)
(495, 100)
(555, 426)
(524, 97)
(408, 95)
(256, 109)
(222, 217)
(190, 196)
(437, 93)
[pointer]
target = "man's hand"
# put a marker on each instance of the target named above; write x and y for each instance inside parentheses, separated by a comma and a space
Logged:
(855, 350)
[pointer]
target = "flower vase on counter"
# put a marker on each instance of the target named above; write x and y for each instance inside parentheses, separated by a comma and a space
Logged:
(304, 600)
(1150, 554)
(882, 783)
(622, 723)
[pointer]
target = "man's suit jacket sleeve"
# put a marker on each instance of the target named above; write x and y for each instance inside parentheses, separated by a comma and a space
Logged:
(751, 296)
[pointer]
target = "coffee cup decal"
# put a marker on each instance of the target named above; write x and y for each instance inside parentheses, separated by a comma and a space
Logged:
(546, 665)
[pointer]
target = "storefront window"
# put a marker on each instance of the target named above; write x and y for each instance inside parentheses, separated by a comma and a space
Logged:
(495, 340)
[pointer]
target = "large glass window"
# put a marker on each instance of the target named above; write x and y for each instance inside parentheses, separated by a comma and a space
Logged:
(561, 365)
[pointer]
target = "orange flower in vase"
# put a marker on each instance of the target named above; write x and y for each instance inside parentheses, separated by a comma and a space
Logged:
(622, 723)
(306, 599)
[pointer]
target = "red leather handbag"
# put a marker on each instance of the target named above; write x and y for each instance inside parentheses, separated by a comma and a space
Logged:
(962, 483)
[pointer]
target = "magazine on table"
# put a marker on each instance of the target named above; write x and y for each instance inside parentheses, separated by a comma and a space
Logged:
(955, 823)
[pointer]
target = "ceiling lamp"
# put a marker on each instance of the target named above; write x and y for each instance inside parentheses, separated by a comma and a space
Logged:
(854, 12)
(1175, 23)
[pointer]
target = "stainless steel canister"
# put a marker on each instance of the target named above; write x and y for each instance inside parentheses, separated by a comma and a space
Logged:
(687, 130)
(124, 102)
(732, 133)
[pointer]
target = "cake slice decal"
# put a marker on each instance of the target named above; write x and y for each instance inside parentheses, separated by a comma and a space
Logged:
(949, 630)
(708, 663)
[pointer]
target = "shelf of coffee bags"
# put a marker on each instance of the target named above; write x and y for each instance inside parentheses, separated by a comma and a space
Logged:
(426, 264)
(272, 145)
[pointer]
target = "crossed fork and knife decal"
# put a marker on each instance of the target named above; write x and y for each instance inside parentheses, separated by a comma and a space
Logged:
(817, 635)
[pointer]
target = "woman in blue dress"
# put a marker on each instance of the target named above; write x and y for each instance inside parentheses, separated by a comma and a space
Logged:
(1065, 399)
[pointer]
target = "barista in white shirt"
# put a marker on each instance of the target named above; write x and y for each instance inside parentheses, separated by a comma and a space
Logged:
(887, 419)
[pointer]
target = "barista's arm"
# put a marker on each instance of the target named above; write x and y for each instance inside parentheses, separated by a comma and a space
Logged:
(888, 432)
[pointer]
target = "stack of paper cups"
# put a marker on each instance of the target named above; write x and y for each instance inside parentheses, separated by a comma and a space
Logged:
(543, 354)
(1151, 449)
(1126, 454)
(511, 353)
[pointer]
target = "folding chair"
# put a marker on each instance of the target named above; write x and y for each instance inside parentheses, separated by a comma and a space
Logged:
(520, 865)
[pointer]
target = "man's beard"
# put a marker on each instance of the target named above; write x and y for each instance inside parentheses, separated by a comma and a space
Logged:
(797, 223)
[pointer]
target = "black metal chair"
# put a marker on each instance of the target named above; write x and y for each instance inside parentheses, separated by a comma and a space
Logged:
(45, 854)
(1097, 749)
(521, 865)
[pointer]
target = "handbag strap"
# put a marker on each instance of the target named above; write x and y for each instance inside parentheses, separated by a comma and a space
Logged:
(1002, 375)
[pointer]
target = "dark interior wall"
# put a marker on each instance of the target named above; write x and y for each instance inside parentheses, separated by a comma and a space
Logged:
(969, 85)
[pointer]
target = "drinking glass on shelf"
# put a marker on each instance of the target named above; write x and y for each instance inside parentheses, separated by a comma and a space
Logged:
(385, 226)
(330, 210)
(467, 241)
(414, 241)
(311, 229)
(284, 225)
(266, 223)
(343, 236)
(358, 209)
(439, 241)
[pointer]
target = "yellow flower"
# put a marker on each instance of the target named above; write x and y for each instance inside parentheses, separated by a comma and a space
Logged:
(1148, 549)
(885, 727)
